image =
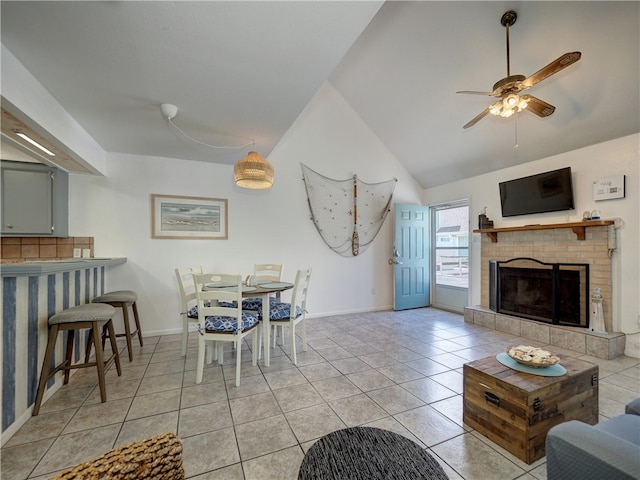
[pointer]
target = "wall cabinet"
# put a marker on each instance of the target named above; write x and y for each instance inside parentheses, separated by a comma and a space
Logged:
(35, 200)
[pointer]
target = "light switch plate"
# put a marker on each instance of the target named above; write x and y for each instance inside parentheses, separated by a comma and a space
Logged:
(86, 253)
(77, 252)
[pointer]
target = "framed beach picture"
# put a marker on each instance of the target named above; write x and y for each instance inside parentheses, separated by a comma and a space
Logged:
(188, 217)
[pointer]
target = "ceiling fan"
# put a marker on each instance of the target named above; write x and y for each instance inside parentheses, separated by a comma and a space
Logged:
(508, 89)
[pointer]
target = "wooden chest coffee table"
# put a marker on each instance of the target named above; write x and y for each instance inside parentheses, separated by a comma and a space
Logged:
(516, 410)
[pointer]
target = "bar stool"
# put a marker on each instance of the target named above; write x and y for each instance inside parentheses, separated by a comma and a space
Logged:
(82, 316)
(122, 299)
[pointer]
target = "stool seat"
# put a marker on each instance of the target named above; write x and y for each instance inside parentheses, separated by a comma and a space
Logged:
(123, 296)
(123, 299)
(89, 312)
(92, 316)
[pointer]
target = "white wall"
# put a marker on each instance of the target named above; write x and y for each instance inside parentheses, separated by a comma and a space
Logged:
(616, 157)
(264, 226)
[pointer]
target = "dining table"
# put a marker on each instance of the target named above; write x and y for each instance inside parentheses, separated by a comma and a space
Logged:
(263, 289)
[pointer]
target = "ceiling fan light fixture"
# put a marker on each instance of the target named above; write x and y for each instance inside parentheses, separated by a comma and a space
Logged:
(254, 172)
(506, 112)
(507, 106)
(496, 108)
(523, 102)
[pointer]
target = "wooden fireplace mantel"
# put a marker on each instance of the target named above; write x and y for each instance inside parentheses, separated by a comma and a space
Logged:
(579, 228)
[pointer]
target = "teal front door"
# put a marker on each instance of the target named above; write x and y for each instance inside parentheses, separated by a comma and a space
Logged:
(411, 257)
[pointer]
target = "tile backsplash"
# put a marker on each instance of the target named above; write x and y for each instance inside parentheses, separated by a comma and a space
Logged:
(19, 249)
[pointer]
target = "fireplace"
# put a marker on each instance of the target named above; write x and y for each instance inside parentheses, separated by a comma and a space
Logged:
(556, 293)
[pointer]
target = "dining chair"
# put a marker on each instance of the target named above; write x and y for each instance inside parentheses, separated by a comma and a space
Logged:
(293, 313)
(271, 272)
(188, 308)
(219, 322)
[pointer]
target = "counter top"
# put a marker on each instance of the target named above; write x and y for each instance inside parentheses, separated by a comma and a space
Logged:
(46, 267)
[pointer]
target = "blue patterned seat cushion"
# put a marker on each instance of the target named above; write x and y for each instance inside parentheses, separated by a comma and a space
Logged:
(256, 303)
(282, 311)
(219, 323)
(193, 311)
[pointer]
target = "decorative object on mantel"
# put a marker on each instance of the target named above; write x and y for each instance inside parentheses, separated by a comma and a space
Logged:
(188, 217)
(345, 225)
(483, 220)
(252, 171)
(597, 315)
(607, 188)
(591, 215)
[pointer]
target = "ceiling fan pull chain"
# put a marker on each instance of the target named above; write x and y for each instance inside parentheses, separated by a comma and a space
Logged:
(515, 144)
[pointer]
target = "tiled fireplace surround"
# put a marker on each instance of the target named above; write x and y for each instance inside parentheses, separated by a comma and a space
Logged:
(558, 245)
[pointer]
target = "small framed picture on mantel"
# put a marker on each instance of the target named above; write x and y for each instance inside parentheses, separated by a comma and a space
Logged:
(182, 217)
(608, 188)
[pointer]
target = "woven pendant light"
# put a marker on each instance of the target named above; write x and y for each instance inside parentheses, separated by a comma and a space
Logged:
(254, 172)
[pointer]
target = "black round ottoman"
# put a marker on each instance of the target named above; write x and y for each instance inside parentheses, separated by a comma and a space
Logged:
(367, 453)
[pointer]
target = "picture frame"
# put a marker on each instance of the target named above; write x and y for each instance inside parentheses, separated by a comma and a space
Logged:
(608, 188)
(183, 217)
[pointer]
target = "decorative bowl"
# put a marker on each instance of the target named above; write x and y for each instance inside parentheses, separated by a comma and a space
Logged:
(532, 356)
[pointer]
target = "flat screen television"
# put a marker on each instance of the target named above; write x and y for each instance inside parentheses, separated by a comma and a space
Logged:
(545, 192)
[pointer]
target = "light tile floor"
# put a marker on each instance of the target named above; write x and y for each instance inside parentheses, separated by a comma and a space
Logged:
(400, 371)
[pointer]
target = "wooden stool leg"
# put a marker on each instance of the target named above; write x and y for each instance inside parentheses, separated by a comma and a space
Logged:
(127, 328)
(97, 341)
(44, 374)
(87, 351)
(69, 355)
(104, 338)
(137, 320)
(114, 345)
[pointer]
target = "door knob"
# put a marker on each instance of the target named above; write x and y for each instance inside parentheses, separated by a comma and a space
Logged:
(392, 261)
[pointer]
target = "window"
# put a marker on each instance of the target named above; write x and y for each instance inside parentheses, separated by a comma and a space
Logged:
(451, 230)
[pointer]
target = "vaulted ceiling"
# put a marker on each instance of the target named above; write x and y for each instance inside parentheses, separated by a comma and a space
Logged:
(243, 71)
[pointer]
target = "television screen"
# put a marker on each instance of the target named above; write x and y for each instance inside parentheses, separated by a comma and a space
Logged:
(545, 192)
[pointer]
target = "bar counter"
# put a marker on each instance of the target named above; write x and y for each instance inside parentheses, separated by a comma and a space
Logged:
(33, 291)
(46, 267)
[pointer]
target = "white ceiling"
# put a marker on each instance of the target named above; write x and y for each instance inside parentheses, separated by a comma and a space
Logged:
(242, 71)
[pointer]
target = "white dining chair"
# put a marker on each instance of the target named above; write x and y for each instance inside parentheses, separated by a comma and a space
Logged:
(218, 322)
(263, 272)
(293, 313)
(188, 307)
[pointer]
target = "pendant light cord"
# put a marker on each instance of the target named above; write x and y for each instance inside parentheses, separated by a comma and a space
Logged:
(252, 143)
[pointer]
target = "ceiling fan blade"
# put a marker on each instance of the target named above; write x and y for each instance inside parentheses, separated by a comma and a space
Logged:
(473, 92)
(554, 67)
(477, 118)
(539, 107)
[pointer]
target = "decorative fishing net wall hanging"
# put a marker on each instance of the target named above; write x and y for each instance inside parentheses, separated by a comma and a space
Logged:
(347, 213)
